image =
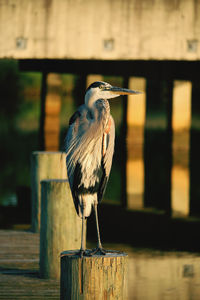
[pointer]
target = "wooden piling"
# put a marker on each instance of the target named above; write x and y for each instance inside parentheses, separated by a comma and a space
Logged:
(60, 226)
(44, 165)
(99, 277)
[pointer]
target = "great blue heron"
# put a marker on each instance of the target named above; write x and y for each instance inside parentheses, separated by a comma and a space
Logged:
(89, 151)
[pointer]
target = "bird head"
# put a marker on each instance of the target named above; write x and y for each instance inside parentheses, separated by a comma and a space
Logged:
(103, 90)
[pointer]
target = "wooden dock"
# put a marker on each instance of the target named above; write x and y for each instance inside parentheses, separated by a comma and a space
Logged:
(19, 268)
(152, 274)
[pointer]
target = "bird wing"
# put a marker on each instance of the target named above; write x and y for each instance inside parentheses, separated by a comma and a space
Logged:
(83, 138)
(107, 157)
(69, 145)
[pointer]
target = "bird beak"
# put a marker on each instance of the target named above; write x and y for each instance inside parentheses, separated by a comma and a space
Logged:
(121, 91)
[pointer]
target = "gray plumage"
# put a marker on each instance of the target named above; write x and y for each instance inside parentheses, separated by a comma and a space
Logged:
(89, 148)
(89, 153)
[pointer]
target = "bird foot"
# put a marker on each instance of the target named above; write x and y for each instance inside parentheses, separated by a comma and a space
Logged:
(80, 253)
(102, 251)
(87, 252)
(97, 251)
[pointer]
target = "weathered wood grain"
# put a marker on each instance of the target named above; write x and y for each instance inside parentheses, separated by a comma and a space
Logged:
(19, 268)
(44, 165)
(60, 226)
(97, 277)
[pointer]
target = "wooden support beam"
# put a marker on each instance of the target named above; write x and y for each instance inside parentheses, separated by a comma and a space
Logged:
(195, 150)
(135, 142)
(124, 147)
(52, 112)
(42, 110)
(99, 277)
(183, 70)
(60, 226)
(181, 122)
(44, 165)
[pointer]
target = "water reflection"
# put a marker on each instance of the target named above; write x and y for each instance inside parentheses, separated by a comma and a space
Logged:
(135, 184)
(160, 275)
(180, 191)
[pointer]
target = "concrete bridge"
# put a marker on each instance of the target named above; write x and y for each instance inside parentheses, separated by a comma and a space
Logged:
(106, 29)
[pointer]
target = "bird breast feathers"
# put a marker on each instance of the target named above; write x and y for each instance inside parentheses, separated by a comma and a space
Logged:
(87, 143)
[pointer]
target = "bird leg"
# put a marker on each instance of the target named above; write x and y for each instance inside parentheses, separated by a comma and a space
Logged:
(82, 249)
(83, 232)
(99, 249)
(97, 226)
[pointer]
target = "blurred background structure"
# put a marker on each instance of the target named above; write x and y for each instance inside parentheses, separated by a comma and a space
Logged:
(50, 50)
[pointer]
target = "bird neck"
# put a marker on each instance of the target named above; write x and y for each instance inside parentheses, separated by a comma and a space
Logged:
(107, 106)
(101, 111)
(90, 99)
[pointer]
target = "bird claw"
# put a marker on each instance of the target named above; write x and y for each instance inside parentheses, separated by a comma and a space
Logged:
(97, 251)
(102, 251)
(83, 253)
(80, 253)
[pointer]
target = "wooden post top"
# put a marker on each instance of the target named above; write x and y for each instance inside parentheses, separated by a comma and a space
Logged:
(99, 277)
(75, 254)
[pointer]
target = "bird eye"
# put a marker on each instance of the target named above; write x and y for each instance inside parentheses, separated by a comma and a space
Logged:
(101, 87)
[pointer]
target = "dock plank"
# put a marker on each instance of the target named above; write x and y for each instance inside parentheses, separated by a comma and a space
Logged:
(19, 268)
